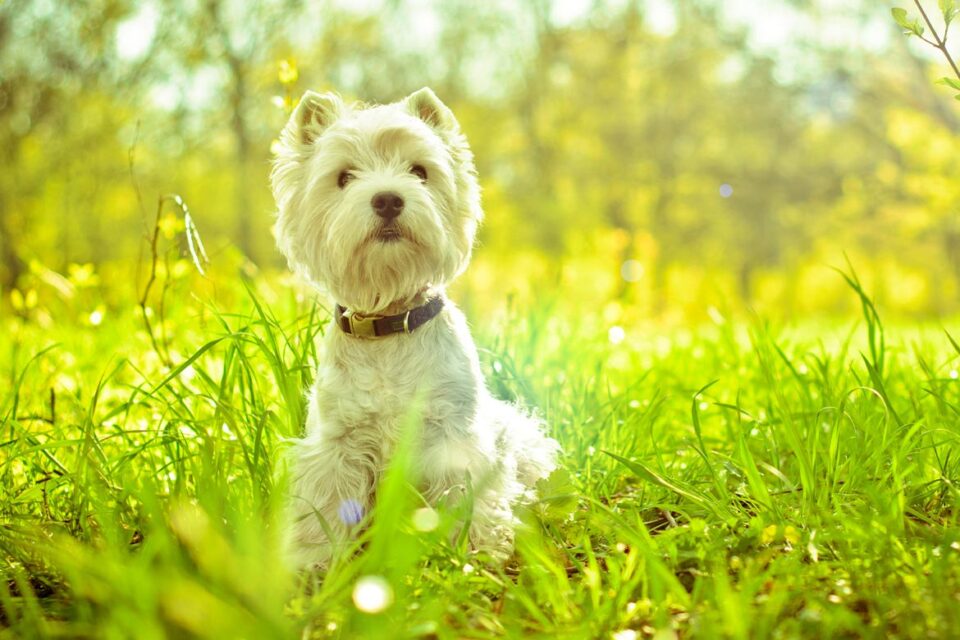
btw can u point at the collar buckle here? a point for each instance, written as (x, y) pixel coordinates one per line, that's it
(362, 326)
(376, 326)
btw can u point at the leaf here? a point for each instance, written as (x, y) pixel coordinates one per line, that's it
(677, 486)
(558, 495)
(702, 449)
(287, 72)
(949, 10)
(950, 82)
(183, 365)
(910, 28)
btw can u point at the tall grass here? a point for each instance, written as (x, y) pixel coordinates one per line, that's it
(729, 481)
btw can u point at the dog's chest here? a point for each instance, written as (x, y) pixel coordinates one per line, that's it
(377, 385)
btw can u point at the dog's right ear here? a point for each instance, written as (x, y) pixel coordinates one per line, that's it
(314, 113)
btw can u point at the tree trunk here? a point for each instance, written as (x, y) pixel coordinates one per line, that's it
(241, 136)
(11, 266)
(238, 70)
(659, 225)
(745, 282)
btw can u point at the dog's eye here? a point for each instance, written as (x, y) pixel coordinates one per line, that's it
(344, 177)
(419, 171)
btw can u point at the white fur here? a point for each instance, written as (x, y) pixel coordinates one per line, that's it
(365, 389)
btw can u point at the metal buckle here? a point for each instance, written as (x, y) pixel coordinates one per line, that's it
(406, 322)
(362, 326)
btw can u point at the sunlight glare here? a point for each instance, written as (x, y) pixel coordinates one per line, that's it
(135, 34)
(631, 270)
(372, 594)
(616, 335)
(425, 519)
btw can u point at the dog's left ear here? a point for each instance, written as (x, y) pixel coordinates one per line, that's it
(425, 105)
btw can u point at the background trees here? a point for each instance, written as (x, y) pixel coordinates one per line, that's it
(674, 138)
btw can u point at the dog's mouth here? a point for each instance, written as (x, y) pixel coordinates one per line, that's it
(388, 233)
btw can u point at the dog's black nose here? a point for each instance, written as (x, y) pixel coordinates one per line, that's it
(387, 205)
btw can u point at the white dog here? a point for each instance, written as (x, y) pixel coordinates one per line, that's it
(378, 205)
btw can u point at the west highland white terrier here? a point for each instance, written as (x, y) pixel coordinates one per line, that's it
(378, 206)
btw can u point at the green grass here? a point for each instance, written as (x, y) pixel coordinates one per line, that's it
(730, 481)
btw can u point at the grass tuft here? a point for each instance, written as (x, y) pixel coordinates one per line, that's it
(723, 482)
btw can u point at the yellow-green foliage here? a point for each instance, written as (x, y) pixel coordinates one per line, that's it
(732, 174)
(665, 196)
(722, 480)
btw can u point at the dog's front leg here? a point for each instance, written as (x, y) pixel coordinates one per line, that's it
(331, 493)
(465, 471)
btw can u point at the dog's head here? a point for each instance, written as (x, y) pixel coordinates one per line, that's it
(375, 203)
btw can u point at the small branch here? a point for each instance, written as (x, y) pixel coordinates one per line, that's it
(197, 253)
(154, 258)
(941, 43)
(162, 305)
(34, 418)
(671, 521)
(152, 238)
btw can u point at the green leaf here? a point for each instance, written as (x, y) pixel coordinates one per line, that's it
(558, 495)
(949, 10)
(900, 16)
(675, 485)
(910, 27)
(950, 82)
(956, 345)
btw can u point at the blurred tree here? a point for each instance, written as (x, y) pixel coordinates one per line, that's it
(49, 57)
(236, 41)
(664, 123)
(604, 133)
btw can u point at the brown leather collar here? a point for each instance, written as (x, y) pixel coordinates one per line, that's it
(379, 326)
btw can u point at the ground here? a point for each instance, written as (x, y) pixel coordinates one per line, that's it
(728, 479)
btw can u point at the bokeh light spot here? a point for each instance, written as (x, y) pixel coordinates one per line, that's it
(350, 512)
(616, 335)
(372, 594)
(631, 270)
(726, 190)
(425, 519)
